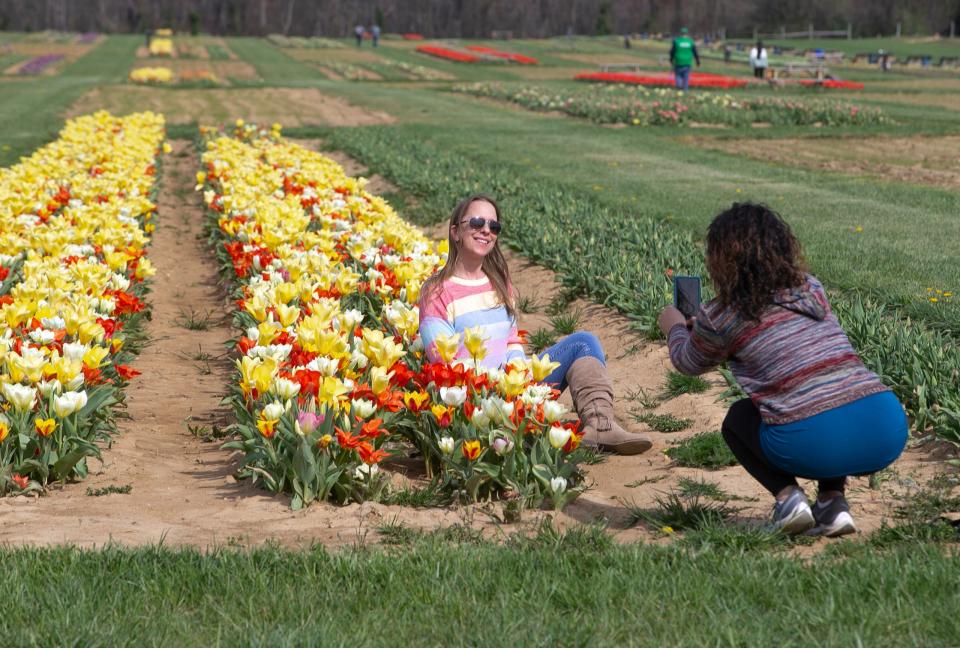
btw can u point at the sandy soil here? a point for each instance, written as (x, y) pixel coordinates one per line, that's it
(289, 106)
(919, 160)
(183, 491)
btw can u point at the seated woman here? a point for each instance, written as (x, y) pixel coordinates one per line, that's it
(473, 289)
(815, 411)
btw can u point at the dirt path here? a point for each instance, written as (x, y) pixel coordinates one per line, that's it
(183, 491)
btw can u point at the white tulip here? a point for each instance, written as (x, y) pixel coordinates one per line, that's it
(21, 397)
(74, 350)
(48, 387)
(558, 436)
(558, 485)
(273, 411)
(453, 396)
(553, 410)
(446, 445)
(362, 407)
(69, 402)
(285, 389)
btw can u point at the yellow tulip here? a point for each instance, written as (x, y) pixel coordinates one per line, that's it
(287, 314)
(514, 382)
(94, 356)
(542, 366)
(268, 331)
(475, 342)
(331, 392)
(447, 346)
(379, 379)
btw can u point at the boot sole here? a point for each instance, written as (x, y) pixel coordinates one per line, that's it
(627, 447)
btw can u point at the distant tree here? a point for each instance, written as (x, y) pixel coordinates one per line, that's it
(194, 19)
(378, 17)
(603, 19)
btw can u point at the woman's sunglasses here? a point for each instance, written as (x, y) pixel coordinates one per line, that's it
(477, 223)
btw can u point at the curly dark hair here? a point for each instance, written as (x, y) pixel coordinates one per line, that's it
(751, 253)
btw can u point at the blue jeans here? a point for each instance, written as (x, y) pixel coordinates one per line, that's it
(567, 351)
(682, 77)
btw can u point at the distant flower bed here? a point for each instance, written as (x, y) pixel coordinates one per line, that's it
(412, 37)
(639, 106)
(161, 46)
(38, 64)
(152, 75)
(697, 79)
(299, 42)
(448, 54)
(835, 84)
(510, 56)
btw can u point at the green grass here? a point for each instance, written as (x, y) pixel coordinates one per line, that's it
(705, 450)
(681, 511)
(561, 588)
(32, 115)
(541, 339)
(678, 383)
(664, 422)
(566, 323)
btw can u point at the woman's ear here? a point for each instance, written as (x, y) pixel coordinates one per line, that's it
(454, 234)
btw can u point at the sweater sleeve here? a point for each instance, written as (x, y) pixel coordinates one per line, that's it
(697, 351)
(434, 322)
(696, 55)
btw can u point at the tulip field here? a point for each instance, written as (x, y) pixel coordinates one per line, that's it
(218, 424)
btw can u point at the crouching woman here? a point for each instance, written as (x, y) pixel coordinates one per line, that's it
(473, 289)
(814, 410)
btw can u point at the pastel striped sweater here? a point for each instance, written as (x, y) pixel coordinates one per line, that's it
(794, 362)
(460, 304)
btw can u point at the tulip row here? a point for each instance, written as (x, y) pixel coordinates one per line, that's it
(449, 54)
(640, 106)
(74, 220)
(510, 56)
(697, 79)
(331, 375)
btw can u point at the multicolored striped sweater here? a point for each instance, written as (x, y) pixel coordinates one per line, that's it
(794, 362)
(460, 304)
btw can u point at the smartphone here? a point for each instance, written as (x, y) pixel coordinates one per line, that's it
(686, 295)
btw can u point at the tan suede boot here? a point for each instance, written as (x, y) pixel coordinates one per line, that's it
(592, 394)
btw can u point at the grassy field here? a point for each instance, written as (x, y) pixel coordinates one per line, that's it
(453, 590)
(889, 240)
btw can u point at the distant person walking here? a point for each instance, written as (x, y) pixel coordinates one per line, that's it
(683, 53)
(375, 33)
(758, 60)
(358, 32)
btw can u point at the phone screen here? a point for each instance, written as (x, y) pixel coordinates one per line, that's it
(686, 295)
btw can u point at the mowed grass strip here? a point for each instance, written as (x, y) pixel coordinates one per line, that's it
(573, 589)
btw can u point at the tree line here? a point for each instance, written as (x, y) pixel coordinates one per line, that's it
(481, 18)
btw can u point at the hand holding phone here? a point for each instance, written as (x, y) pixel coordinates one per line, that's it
(686, 295)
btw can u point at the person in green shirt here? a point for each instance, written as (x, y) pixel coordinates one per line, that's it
(683, 52)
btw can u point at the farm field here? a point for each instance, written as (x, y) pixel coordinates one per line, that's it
(210, 491)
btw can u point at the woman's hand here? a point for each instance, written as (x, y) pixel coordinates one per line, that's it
(669, 318)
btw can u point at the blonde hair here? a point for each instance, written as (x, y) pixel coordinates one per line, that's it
(494, 264)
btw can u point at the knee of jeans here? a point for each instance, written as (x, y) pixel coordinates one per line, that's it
(588, 345)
